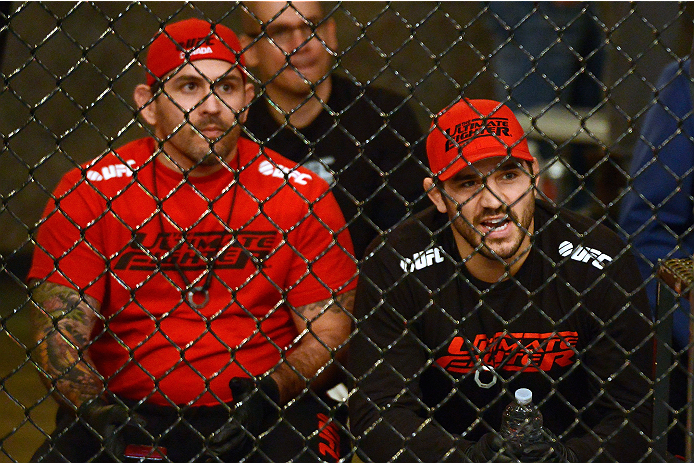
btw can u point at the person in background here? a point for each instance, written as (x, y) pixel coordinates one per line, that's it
(657, 212)
(364, 141)
(549, 55)
(490, 290)
(193, 291)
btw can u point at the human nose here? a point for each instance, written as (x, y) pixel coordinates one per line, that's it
(212, 103)
(297, 38)
(489, 198)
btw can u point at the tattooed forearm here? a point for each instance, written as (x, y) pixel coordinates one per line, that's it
(324, 328)
(62, 323)
(342, 304)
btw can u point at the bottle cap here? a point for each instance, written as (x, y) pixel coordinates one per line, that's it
(524, 396)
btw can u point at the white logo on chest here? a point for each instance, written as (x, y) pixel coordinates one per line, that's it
(112, 171)
(422, 259)
(269, 169)
(584, 254)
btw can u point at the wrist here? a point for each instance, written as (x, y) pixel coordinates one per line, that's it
(91, 404)
(263, 388)
(270, 388)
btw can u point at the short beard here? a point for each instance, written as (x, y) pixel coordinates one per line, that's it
(219, 150)
(478, 242)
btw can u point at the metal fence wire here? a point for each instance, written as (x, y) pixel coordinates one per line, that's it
(590, 83)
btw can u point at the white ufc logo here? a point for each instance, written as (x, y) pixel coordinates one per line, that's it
(422, 260)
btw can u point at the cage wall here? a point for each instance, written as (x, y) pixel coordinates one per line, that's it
(69, 70)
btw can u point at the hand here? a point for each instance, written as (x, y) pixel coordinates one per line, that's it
(490, 448)
(254, 402)
(109, 422)
(549, 450)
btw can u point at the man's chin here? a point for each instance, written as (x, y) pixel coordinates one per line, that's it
(209, 161)
(303, 84)
(495, 252)
(220, 152)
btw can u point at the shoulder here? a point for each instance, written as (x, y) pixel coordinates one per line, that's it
(380, 97)
(421, 226)
(120, 162)
(412, 237)
(563, 234)
(674, 87)
(268, 170)
(112, 170)
(678, 69)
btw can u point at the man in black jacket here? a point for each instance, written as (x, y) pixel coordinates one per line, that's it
(488, 291)
(364, 141)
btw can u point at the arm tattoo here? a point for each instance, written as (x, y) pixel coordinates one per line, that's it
(62, 323)
(340, 304)
(324, 328)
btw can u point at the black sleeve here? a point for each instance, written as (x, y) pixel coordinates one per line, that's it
(387, 358)
(619, 356)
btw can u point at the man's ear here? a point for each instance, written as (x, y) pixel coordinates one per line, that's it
(144, 103)
(435, 194)
(250, 94)
(535, 166)
(330, 34)
(251, 51)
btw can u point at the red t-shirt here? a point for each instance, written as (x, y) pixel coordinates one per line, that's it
(288, 247)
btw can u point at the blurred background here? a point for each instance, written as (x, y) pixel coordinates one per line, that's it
(68, 71)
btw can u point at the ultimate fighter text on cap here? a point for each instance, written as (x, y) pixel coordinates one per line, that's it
(471, 130)
(190, 40)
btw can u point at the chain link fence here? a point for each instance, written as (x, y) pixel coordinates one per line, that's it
(581, 77)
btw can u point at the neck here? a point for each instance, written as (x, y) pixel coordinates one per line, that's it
(201, 170)
(304, 108)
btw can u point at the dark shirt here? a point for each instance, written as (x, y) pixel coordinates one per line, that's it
(437, 354)
(367, 144)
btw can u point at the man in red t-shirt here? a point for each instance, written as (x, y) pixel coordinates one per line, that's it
(193, 289)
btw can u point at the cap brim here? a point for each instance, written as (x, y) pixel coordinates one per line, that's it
(463, 162)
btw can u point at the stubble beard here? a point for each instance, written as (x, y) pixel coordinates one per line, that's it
(202, 152)
(494, 249)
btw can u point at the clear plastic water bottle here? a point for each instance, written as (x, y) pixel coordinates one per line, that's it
(521, 423)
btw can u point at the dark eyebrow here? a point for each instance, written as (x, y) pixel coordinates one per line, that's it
(230, 76)
(305, 20)
(186, 78)
(509, 164)
(466, 177)
(197, 77)
(316, 20)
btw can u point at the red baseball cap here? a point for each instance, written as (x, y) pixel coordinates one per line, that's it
(471, 130)
(190, 40)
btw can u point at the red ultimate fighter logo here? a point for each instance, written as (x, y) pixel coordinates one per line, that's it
(511, 352)
(486, 127)
(193, 252)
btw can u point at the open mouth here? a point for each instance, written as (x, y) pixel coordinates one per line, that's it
(498, 224)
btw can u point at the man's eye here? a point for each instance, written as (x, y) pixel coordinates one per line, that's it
(511, 175)
(279, 33)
